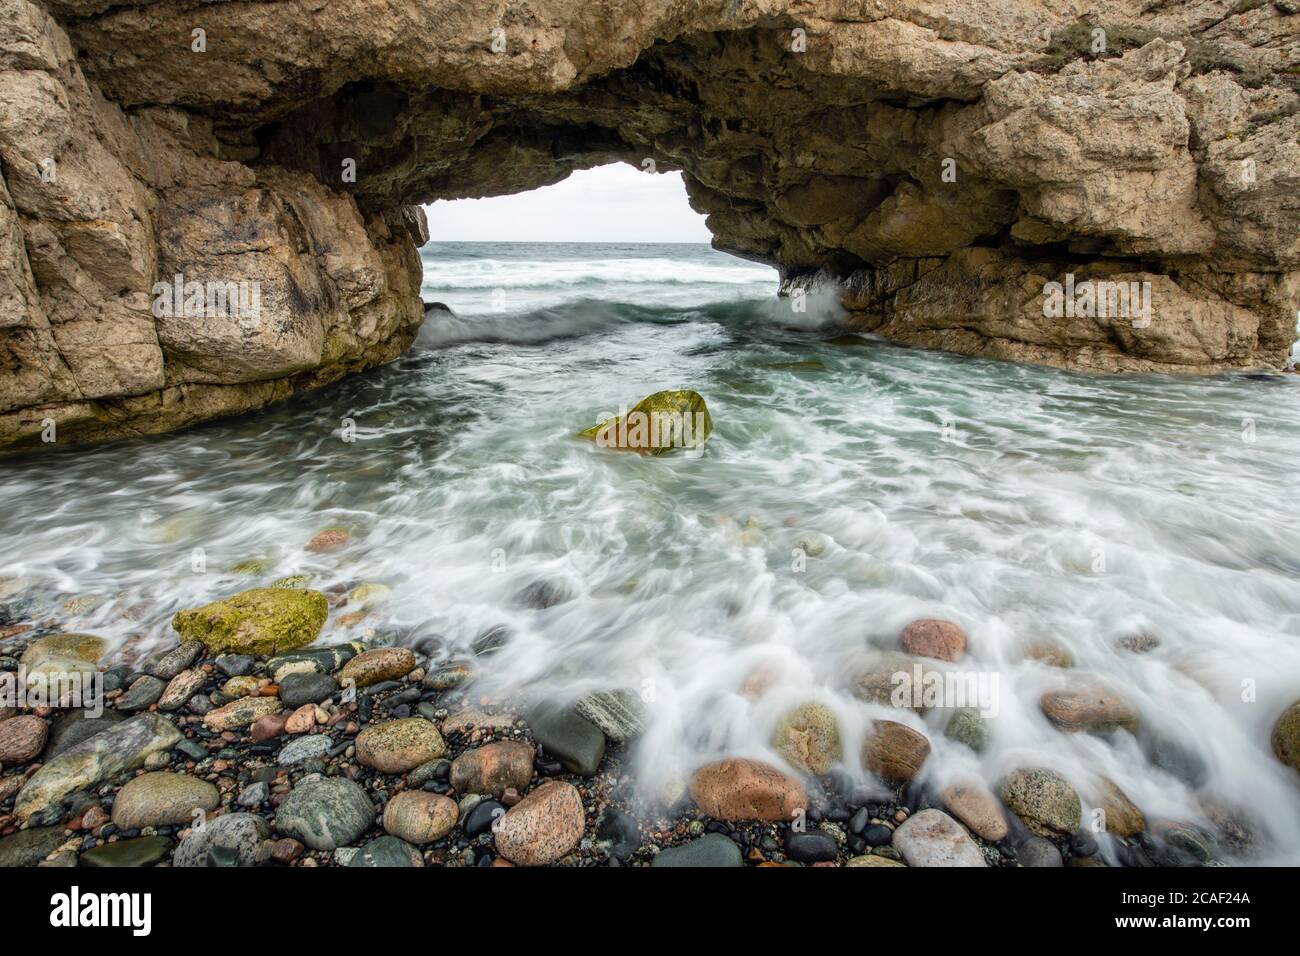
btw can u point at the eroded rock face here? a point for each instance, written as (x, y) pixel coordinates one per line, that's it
(943, 162)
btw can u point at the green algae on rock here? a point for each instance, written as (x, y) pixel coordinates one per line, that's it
(676, 418)
(259, 621)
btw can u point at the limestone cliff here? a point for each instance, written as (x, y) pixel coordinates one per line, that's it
(943, 161)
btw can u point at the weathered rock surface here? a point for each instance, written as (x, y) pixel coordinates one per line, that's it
(22, 738)
(809, 737)
(325, 813)
(118, 749)
(493, 768)
(1089, 705)
(383, 663)
(975, 805)
(932, 838)
(543, 826)
(396, 746)
(894, 751)
(232, 839)
(1286, 736)
(418, 817)
(161, 799)
(953, 160)
(261, 621)
(1043, 799)
(747, 790)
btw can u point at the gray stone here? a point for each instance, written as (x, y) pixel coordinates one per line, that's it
(325, 813)
(29, 847)
(1037, 852)
(72, 727)
(387, 851)
(118, 750)
(168, 665)
(306, 688)
(236, 665)
(145, 692)
(255, 794)
(619, 714)
(712, 850)
(304, 748)
(232, 839)
(571, 738)
(932, 838)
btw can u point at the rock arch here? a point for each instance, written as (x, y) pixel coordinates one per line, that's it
(943, 160)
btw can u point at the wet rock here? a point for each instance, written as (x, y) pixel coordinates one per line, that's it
(246, 685)
(181, 688)
(490, 641)
(618, 833)
(543, 826)
(371, 667)
(890, 678)
(1038, 853)
(322, 659)
(64, 653)
(325, 813)
(311, 688)
(710, 850)
(1043, 799)
(540, 595)
(932, 838)
(72, 727)
(1285, 737)
(233, 839)
(386, 851)
(22, 739)
(240, 713)
(1089, 705)
(330, 539)
(747, 790)
(975, 805)
(932, 637)
(140, 852)
(260, 621)
(144, 693)
(161, 799)
(168, 665)
(418, 817)
(1049, 652)
(29, 847)
(894, 751)
(619, 714)
(1121, 815)
(809, 738)
(304, 748)
(481, 817)
(268, 727)
(1140, 642)
(966, 726)
(235, 665)
(659, 423)
(397, 746)
(493, 768)
(448, 676)
(118, 750)
(575, 741)
(301, 720)
(813, 846)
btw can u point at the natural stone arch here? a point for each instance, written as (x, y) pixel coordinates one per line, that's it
(942, 161)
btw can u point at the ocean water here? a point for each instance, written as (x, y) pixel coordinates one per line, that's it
(850, 486)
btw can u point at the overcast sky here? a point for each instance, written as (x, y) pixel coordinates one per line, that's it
(618, 203)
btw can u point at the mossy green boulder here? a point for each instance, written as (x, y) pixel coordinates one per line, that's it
(677, 418)
(260, 621)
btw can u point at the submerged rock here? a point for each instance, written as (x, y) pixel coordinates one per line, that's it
(620, 714)
(676, 418)
(933, 637)
(1286, 736)
(1089, 705)
(809, 737)
(261, 621)
(1121, 815)
(119, 749)
(894, 751)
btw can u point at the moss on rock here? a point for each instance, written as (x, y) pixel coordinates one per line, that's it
(676, 418)
(260, 621)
